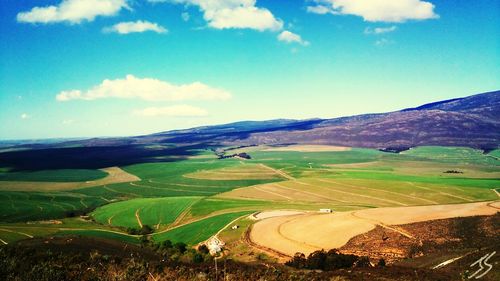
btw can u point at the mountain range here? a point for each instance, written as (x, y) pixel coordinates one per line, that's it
(472, 121)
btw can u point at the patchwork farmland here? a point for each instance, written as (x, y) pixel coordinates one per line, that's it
(194, 198)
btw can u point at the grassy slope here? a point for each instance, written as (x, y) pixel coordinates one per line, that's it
(199, 231)
(152, 211)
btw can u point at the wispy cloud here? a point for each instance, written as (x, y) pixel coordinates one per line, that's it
(185, 16)
(72, 11)
(149, 89)
(226, 14)
(135, 27)
(377, 10)
(172, 111)
(380, 30)
(290, 37)
(25, 116)
(383, 42)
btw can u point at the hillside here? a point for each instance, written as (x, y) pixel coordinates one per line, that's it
(471, 121)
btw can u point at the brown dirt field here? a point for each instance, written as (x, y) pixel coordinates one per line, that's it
(115, 175)
(309, 148)
(424, 213)
(273, 214)
(310, 232)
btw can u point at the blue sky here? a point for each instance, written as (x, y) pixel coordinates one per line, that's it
(81, 68)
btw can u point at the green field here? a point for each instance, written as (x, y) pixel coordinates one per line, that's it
(199, 231)
(191, 199)
(154, 212)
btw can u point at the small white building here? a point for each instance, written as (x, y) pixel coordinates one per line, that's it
(326, 211)
(214, 245)
(235, 227)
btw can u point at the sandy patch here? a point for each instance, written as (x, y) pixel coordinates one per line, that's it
(273, 214)
(312, 231)
(309, 148)
(424, 213)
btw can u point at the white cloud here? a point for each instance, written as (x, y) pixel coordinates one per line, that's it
(185, 16)
(25, 116)
(148, 89)
(68, 121)
(383, 42)
(377, 10)
(319, 9)
(172, 111)
(135, 27)
(222, 14)
(72, 11)
(380, 30)
(290, 37)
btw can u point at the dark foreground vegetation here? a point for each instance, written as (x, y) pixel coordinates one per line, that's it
(331, 260)
(80, 258)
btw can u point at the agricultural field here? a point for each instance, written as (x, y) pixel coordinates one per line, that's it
(190, 199)
(198, 231)
(134, 213)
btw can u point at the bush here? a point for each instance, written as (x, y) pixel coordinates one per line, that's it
(181, 247)
(330, 260)
(203, 249)
(167, 244)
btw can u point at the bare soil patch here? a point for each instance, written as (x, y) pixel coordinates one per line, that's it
(310, 232)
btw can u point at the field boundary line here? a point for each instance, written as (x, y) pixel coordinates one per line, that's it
(279, 172)
(120, 192)
(293, 240)
(310, 193)
(83, 203)
(361, 195)
(17, 232)
(496, 191)
(138, 218)
(227, 225)
(184, 213)
(110, 219)
(214, 214)
(270, 251)
(172, 189)
(181, 184)
(272, 192)
(386, 191)
(5, 243)
(404, 233)
(441, 192)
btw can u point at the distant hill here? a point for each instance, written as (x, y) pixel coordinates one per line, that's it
(472, 121)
